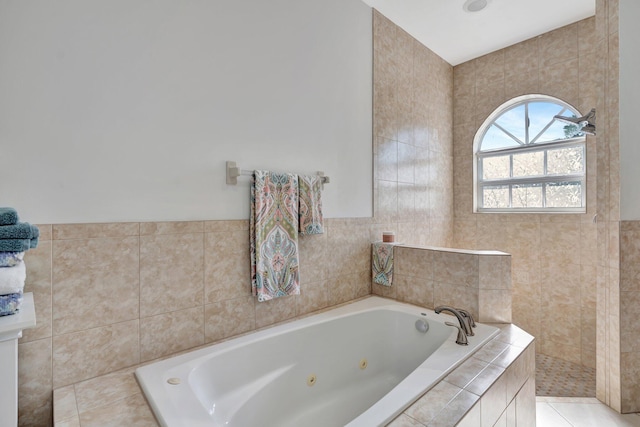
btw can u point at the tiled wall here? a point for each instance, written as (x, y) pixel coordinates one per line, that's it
(110, 296)
(429, 277)
(412, 122)
(553, 256)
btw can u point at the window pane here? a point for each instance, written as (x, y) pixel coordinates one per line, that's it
(513, 121)
(528, 164)
(564, 195)
(527, 196)
(540, 115)
(496, 138)
(495, 167)
(495, 197)
(557, 131)
(565, 160)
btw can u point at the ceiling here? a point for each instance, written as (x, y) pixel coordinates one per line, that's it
(458, 36)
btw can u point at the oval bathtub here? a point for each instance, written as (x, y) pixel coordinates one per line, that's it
(361, 365)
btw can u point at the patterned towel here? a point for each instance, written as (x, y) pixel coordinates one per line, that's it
(11, 259)
(310, 204)
(382, 263)
(274, 235)
(10, 304)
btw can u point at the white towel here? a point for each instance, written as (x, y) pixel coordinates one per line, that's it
(12, 279)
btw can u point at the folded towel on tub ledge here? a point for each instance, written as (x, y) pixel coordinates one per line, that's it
(10, 304)
(8, 216)
(10, 259)
(273, 229)
(21, 230)
(310, 202)
(12, 279)
(17, 245)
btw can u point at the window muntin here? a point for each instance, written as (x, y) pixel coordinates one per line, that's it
(527, 161)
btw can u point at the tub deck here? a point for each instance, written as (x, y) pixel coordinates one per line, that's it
(500, 375)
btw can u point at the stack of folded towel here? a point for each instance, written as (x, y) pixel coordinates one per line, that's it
(15, 239)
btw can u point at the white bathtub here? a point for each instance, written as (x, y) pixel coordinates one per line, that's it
(358, 365)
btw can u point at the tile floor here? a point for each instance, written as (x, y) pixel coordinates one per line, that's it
(580, 412)
(555, 377)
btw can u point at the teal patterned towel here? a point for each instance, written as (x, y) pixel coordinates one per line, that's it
(382, 263)
(21, 230)
(310, 212)
(8, 216)
(273, 231)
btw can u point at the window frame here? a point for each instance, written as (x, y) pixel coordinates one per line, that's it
(479, 183)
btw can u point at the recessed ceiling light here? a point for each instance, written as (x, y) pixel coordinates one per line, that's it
(474, 5)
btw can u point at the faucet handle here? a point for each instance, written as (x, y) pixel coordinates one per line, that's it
(468, 318)
(462, 336)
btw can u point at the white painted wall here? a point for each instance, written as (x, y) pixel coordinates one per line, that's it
(629, 110)
(126, 110)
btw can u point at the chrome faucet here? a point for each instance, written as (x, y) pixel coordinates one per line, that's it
(462, 336)
(468, 320)
(461, 319)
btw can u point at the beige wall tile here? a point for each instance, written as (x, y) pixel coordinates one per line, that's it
(226, 225)
(274, 311)
(177, 227)
(91, 231)
(314, 296)
(494, 305)
(169, 333)
(559, 45)
(81, 355)
(46, 232)
(456, 296)
(95, 282)
(226, 272)
(228, 318)
(171, 272)
(413, 262)
(39, 271)
(456, 268)
(414, 291)
(630, 366)
(34, 379)
(105, 389)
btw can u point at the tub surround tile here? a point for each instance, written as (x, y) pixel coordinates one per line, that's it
(405, 421)
(46, 232)
(228, 318)
(171, 272)
(276, 310)
(104, 390)
(435, 400)
(95, 282)
(175, 227)
(314, 296)
(81, 355)
(39, 271)
(34, 379)
(92, 231)
(226, 225)
(130, 411)
(65, 407)
(169, 333)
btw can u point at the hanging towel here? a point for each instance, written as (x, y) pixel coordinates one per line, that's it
(12, 279)
(382, 263)
(310, 212)
(10, 259)
(10, 304)
(17, 245)
(8, 216)
(21, 230)
(273, 229)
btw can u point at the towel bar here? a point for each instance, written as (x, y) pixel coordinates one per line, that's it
(234, 171)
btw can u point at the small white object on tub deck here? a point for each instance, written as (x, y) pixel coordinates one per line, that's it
(358, 365)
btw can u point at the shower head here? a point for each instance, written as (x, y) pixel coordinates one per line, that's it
(586, 123)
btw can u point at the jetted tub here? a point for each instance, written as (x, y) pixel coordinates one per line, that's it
(361, 365)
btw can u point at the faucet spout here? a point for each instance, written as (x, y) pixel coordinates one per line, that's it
(468, 320)
(463, 323)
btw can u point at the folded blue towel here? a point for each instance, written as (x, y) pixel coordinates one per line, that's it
(8, 216)
(33, 243)
(21, 230)
(16, 245)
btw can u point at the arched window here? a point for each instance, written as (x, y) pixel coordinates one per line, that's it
(528, 161)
